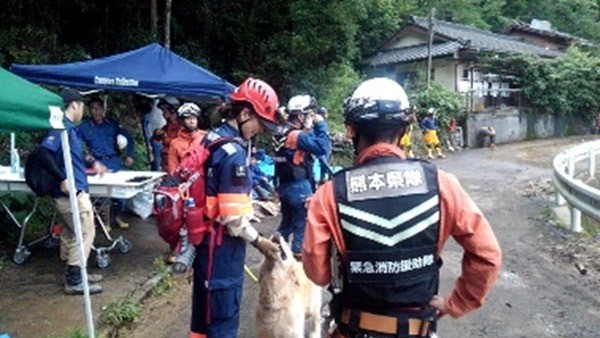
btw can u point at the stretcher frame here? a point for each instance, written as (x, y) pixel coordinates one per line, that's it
(111, 185)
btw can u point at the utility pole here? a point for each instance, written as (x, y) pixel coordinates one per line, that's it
(168, 5)
(429, 46)
(153, 19)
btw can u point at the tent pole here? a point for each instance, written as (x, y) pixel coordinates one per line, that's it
(64, 138)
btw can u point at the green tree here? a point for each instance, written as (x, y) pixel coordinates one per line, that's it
(565, 86)
(448, 104)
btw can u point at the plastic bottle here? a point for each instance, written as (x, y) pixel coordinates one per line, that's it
(190, 203)
(15, 162)
(183, 239)
(183, 233)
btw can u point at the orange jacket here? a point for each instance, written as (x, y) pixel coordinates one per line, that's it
(168, 133)
(460, 218)
(179, 147)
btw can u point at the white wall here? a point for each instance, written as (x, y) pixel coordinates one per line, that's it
(511, 126)
(445, 73)
(408, 36)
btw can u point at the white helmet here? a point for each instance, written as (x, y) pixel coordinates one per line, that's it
(171, 101)
(301, 104)
(121, 142)
(188, 109)
(379, 103)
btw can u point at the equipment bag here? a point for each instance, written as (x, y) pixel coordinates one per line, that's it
(168, 208)
(37, 178)
(187, 182)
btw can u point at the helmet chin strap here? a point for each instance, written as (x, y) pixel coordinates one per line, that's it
(241, 123)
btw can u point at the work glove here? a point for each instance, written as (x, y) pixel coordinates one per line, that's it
(265, 246)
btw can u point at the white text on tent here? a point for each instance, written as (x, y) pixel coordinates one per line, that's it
(117, 81)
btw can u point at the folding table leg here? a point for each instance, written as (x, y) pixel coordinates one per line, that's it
(21, 252)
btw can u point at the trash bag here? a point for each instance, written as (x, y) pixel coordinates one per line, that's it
(142, 204)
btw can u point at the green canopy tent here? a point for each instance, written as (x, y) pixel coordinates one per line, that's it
(25, 106)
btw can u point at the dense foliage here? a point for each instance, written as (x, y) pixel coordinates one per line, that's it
(568, 86)
(447, 104)
(300, 46)
(307, 46)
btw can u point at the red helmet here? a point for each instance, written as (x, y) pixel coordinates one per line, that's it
(261, 96)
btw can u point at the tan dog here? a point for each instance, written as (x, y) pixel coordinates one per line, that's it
(288, 299)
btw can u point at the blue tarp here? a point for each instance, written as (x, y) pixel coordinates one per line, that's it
(152, 69)
(267, 166)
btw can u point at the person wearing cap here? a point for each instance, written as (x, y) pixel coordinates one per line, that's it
(430, 126)
(188, 138)
(219, 264)
(170, 131)
(100, 134)
(294, 165)
(376, 232)
(51, 154)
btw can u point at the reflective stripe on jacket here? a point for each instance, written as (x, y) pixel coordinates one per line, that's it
(460, 218)
(389, 215)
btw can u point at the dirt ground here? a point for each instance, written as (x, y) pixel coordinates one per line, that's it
(540, 292)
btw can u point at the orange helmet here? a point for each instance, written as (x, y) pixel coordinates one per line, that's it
(263, 99)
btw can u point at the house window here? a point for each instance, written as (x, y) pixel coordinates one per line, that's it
(465, 74)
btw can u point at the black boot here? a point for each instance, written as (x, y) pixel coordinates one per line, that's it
(74, 282)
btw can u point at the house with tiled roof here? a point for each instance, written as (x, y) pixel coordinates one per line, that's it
(457, 51)
(541, 33)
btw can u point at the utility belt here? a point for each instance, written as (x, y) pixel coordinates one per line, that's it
(407, 324)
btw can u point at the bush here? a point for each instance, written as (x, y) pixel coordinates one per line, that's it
(448, 104)
(569, 85)
(120, 313)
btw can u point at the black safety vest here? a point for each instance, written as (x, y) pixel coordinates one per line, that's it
(285, 169)
(389, 212)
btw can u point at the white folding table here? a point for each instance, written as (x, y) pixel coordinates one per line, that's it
(120, 184)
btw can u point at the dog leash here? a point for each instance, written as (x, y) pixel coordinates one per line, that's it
(249, 272)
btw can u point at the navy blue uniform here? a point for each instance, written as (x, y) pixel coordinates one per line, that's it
(101, 141)
(294, 179)
(52, 142)
(228, 188)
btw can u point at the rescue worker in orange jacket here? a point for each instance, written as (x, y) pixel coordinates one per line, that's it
(188, 138)
(169, 132)
(387, 220)
(219, 264)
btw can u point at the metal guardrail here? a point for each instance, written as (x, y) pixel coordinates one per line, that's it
(581, 197)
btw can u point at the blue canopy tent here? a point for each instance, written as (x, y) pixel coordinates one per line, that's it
(152, 69)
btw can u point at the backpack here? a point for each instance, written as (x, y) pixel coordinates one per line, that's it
(188, 182)
(37, 178)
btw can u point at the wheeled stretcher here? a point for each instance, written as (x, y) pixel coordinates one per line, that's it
(122, 184)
